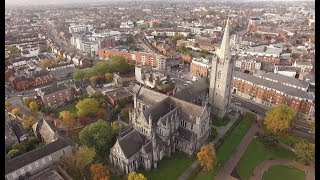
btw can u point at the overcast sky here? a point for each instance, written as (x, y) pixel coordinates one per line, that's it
(43, 2)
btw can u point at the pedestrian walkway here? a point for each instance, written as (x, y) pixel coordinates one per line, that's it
(237, 153)
(265, 165)
(222, 131)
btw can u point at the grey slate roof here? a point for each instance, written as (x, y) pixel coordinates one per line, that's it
(54, 88)
(186, 134)
(19, 130)
(34, 155)
(273, 85)
(46, 130)
(196, 88)
(285, 79)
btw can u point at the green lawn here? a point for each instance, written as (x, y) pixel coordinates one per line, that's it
(69, 107)
(170, 168)
(221, 122)
(283, 172)
(257, 153)
(226, 149)
(289, 139)
(213, 134)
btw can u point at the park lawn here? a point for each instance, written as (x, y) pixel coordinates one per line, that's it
(283, 172)
(256, 153)
(213, 134)
(69, 107)
(221, 122)
(226, 149)
(170, 167)
(289, 140)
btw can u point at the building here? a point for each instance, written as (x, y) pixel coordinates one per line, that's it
(20, 132)
(80, 28)
(159, 126)
(249, 63)
(200, 67)
(56, 95)
(127, 24)
(35, 161)
(118, 96)
(148, 77)
(270, 93)
(221, 75)
(140, 58)
(303, 66)
(289, 71)
(273, 50)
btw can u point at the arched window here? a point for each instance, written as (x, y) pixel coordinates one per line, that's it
(219, 75)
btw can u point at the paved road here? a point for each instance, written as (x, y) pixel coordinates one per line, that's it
(265, 165)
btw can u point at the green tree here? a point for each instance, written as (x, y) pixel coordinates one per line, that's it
(28, 122)
(87, 107)
(280, 118)
(15, 153)
(78, 74)
(119, 64)
(34, 106)
(304, 152)
(98, 135)
(84, 156)
(136, 176)
(100, 68)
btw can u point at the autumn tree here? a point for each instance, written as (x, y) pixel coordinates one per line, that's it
(312, 127)
(98, 135)
(84, 156)
(136, 176)
(99, 172)
(304, 152)
(15, 111)
(46, 63)
(7, 104)
(34, 106)
(207, 157)
(78, 74)
(109, 77)
(87, 107)
(28, 122)
(67, 118)
(59, 58)
(119, 64)
(26, 101)
(280, 118)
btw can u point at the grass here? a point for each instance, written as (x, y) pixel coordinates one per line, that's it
(256, 153)
(170, 168)
(213, 134)
(283, 172)
(289, 140)
(226, 149)
(69, 107)
(221, 122)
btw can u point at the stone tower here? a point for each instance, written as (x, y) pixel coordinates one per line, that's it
(221, 74)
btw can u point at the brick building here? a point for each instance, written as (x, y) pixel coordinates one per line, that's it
(134, 57)
(248, 63)
(272, 93)
(200, 66)
(56, 95)
(34, 79)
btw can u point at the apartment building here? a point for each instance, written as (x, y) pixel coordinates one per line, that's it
(200, 67)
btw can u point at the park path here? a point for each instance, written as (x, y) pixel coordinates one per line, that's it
(222, 131)
(265, 165)
(237, 153)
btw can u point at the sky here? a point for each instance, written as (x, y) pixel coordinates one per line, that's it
(43, 2)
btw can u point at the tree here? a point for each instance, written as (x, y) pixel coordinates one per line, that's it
(268, 140)
(27, 123)
(67, 118)
(280, 118)
(87, 107)
(84, 156)
(15, 111)
(100, 68)
(27, 101)
(109, 77)
(312, 127)
(98, 135)
(136, 176)
(7, 104)
(46, 63)
(119, 64)
(304, 152)
(14, 49)
(34, 106)
(99, 171)
(207, 157)
(59, 58)
(14, 153)
(78, 74)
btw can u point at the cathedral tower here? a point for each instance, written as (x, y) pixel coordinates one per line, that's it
(221, 74)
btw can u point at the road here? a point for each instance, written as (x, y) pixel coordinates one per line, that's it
(301, 129)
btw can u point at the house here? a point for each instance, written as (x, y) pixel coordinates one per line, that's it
(200, 67)
(90, 90)
(20, 131)
(117, 96)
(81, 85)
(148, 77)
(56, 95)
(117, 80)
(37, 160)
(289, 71)
(249, 63)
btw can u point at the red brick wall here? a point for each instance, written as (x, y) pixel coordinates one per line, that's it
(55, 98)
(263, 94)
(198, 70)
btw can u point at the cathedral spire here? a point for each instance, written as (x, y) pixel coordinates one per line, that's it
(225, 45)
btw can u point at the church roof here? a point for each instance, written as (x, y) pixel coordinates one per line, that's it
(186, 135)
